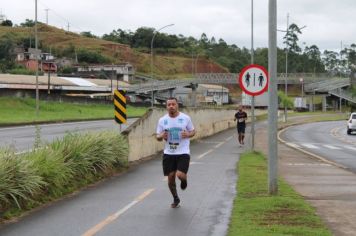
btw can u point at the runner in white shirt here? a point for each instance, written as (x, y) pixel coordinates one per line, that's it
(176, 128)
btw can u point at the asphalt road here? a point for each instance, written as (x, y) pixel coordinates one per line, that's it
(138, 202)
(326, 139)
(22, 138)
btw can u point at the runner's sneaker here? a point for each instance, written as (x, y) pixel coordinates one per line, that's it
(176, 202)
(183, 184)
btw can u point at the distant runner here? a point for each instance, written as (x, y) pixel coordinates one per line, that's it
(241, 118)
(176, 128)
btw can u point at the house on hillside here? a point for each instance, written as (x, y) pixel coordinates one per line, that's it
(124, 72)
(31, 58)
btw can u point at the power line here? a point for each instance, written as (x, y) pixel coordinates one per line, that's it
(67, 22)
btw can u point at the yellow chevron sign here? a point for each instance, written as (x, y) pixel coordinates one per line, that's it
(120, 106)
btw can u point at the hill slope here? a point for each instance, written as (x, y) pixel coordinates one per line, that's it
(60, 41)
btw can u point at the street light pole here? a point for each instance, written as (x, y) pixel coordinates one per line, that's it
(285, 78)
(153, 38)
(253, 97)
(36, 47)
(273, 99)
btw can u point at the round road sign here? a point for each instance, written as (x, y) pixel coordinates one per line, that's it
(253, 79)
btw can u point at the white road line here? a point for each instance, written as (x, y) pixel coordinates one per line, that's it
(311, 146)
(219, 144)
(209, 142)
(204, 154)
(196, 163)
(351, 148)
(293, 145)
(116, 215)
(307, 164)
(331, 147)
(229, 138)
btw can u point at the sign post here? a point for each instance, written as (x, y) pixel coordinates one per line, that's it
(253, 80)
(120, 106)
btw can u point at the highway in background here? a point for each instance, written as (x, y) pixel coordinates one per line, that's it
(326, 139)
(22, 138)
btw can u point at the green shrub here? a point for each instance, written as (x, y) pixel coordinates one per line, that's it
(85, 55)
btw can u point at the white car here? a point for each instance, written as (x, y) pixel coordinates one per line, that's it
(351, 123)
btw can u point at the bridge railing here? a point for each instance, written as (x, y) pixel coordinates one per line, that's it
(327, 85)
(343, 94)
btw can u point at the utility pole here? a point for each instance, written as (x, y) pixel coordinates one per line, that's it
(68, 26)
(153, 38)
(47, 9)
(273, 99)
(253, 97)
(285, 78)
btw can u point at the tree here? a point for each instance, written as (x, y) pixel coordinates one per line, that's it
(28, 23)
(88, 34)
(313, 59)
(142, 37)
(285, 101)
(6, 23)
(350, 55)
(331, 61)
(6, 55)
(291, 38)
(119, 36)
(204, 41)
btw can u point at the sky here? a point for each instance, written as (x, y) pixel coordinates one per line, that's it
(329, 24)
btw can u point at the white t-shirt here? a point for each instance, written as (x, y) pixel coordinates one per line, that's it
(175, 144)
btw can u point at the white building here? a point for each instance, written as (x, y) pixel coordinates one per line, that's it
(125, 70)
(205, 94)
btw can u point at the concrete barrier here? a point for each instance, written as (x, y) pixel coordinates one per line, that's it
(141, 134)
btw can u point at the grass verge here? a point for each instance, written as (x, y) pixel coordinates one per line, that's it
(23, 110)
(256, 213)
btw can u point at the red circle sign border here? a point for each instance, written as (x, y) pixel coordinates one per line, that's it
(241, 77)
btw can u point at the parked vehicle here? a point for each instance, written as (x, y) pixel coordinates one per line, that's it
(351, 123)
(300, 104)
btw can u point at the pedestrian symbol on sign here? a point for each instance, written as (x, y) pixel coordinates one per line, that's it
(247, 79)
(260, 79)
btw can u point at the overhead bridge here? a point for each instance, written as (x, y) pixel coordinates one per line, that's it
(216, 78)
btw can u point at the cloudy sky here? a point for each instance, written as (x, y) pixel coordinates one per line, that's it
(328, 23)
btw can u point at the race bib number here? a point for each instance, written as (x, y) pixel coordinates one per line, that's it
(174, 138)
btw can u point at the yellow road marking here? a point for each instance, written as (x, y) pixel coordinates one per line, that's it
(116, 215)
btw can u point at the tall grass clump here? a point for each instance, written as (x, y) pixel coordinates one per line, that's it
(51, 166)
(19, 181)
(58, 168)
(92, 152)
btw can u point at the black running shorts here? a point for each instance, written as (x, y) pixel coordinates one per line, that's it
(241, 128)
(172, 163)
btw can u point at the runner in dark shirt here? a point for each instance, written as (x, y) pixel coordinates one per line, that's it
(241, 118)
